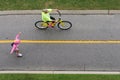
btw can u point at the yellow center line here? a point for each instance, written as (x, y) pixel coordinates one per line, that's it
(66, 41)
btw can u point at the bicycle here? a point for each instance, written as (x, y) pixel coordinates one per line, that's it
(61, 24)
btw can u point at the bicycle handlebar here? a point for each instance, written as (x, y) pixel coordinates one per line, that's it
(59, 13)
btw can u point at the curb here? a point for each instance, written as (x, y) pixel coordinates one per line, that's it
(56, 72)
(65, 12)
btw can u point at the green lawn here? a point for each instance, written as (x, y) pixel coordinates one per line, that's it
(58, 77)
(60, 4)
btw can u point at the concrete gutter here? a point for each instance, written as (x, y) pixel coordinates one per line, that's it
(57, 72)
(67, 12)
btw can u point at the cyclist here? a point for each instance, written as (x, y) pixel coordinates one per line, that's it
(46, 17)
(16, 44)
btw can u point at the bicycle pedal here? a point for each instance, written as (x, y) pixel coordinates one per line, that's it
(53, 24)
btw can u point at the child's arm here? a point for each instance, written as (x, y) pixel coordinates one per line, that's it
(17, 36)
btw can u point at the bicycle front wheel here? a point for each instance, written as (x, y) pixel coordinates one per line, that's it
(41, 25)
(64, 25)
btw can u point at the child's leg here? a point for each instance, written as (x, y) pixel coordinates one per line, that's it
(17, 51)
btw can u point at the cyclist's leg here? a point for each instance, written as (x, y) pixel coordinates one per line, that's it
(52, 22)
(51, 17)
(49, 23)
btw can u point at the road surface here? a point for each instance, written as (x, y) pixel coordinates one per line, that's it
(62, 56)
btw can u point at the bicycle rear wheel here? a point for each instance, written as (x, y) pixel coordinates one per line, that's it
(41, 25)
(64, 25)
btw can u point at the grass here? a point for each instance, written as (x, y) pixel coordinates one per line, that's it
(60, 4)
(58, 77)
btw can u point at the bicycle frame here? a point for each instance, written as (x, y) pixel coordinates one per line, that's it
(57, 21)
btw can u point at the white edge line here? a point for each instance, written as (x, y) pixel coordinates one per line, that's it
(57, 72)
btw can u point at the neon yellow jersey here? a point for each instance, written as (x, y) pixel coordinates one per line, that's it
(46, 16)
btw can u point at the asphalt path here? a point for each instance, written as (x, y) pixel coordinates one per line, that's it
(79, 56)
